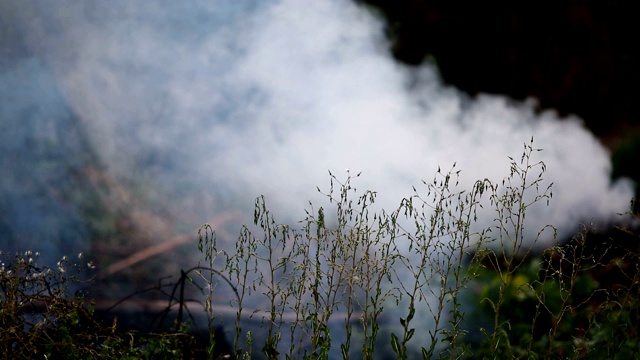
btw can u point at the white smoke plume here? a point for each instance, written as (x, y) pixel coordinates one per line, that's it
(265, 98)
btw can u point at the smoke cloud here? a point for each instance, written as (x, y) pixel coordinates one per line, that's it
(265, 98)
(210, 104)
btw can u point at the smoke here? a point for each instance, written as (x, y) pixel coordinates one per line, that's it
(265, 98)
(41, 153)
(210, 104)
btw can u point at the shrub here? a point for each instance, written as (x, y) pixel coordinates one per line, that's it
(44, 314)
(579, 300)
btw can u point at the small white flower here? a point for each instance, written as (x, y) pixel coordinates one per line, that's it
(80, 256)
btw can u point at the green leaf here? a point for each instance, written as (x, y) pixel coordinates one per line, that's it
(394, 344)
(345, 352)
(412, 312)
(409, 334)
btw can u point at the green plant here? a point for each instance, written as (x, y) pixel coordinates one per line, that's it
(578, 301)
(45, 314)
(323, 289)
(36, 317)
(313, 273)
(347, 261)
(510, 203)
(437, 246)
